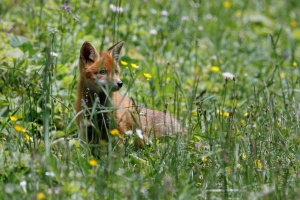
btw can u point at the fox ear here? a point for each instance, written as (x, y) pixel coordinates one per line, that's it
(115, 50)
(88, 53)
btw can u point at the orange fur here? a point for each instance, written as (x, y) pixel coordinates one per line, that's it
(98, 83)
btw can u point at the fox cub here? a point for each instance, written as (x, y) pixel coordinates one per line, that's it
(100, 107)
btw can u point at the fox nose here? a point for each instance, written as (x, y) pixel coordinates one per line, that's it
(120, 84)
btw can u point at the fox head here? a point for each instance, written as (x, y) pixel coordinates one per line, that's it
(100, 72)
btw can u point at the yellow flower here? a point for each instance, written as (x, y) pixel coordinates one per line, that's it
(19, 128)
(124, 63)
(27, 137)
(243, 123)
(294, 64)
(147, 76)
(168, 79)
(204, 159)
(293, 23)
(225, 114)
(282, 74)
(228, 169)
(186, 87)
(244, 155)
(258, 164)
(226, 4)
(134, 66)
(114, 132)
(215, 69)
(40, 195)
(13, 118)
(93, 162)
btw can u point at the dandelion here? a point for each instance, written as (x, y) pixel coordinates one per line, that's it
(114, 132)
(27, 137)
(228, 169)
(228, 75)
(134, 66)
(293, 23)
(123, 63)
(186, 87)
(282, 75)
(93, 162)
(294, 64)
(258, 164)
(13, 118)
(147, 76)
(116, 9)
(139, 134)
(153, 32)
(224, 114)
(204, 159)
(164, 13)
(53, 54)
(226, 4)
(168, 79)
(243, 155)
(242, 122)
(214, 69)
(199, 183)
(19, 128)
(40, 195)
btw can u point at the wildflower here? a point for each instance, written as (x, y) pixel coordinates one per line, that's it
(19, 128)
(65, 7)
(147, 76)
(258, 164)
(228, 169)
(123, 63)
(228, 75)
(51, 174)
(293, 23)
(114, 132)
(164, 13)
(186, 87)
(243, 123)
(139, 134)
(134, 66)
(184, 18)
(282, 74)
(204, 159)
(199, 183)
(224, 114)
(23, 183)
(40, 195)
(93, 162)
(168, 79)
(214, 69)
(200, 28)
(53, 54)
(13, 118)
(238, 165)
(129, 133)
(27, 137)
(153, 32)
(243, 155)
(294, 64)
(226, 4)
(116, 9)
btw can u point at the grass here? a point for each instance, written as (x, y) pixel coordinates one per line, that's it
(243, 133)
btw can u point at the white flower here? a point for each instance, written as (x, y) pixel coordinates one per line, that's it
(139, 134)
(164, 13)
(23, 183)
(129, 133)
(153, 32)
(228, 75)
(51, 174)
(214, 57)
(200, 28)
(184, 18)
(116, 8)
(54, 54)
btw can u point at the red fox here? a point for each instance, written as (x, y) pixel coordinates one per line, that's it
(101, 108)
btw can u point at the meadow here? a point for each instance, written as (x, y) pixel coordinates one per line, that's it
(228, 70)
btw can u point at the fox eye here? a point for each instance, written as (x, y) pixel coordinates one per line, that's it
(102, 72)
(116, 71)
